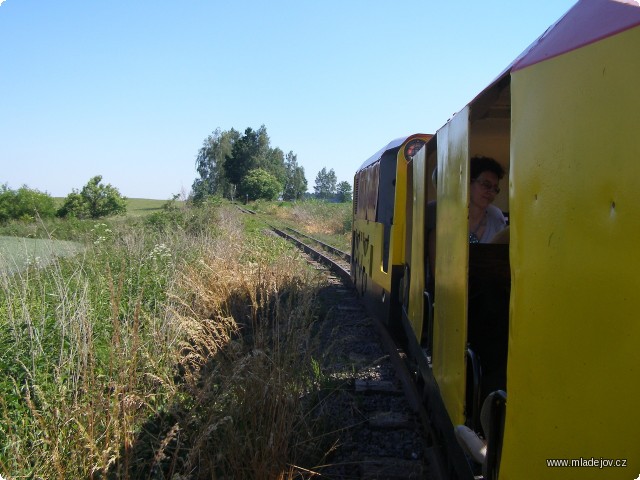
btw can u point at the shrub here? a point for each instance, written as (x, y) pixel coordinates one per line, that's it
(74, 206)
(259, 183)
(94, 200)
(25, 204)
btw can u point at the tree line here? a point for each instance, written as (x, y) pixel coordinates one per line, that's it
(230, 164)
(326, 188)
(94, 200)
(246, 166)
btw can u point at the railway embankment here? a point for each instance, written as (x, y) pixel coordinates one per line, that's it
(192, 346)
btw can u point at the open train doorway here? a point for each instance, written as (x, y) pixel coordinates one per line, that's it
(466, 268)
(489, 273)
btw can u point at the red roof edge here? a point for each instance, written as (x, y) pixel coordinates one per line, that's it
(586, 22)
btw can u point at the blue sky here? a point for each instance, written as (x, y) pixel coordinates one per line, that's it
(130, 90)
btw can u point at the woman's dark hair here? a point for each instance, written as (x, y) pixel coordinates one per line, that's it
(481, 164)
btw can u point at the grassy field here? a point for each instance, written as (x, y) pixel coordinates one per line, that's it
(136, 206)
(36, 243)
(178, 342)
(16, 253)
(143, 206)
(27, 244)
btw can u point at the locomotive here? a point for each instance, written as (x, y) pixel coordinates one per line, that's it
(528, 350)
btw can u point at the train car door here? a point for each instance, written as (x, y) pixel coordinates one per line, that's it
(574, 357)
(450, 310)
(418, 298)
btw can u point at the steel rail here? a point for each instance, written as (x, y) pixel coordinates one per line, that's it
(335, 267)
(346, 256)
(245, 210)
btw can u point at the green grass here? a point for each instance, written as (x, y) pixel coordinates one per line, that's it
(37, 243)
(143, 206)
(136, 207)
(166, 348)
(328, 222)
(17, 253)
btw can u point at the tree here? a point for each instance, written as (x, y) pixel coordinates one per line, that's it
(259, 184)
(295, 184)
(94, 200)
(74, 206)
(25, 204)
(325, 186)
(210, 165)
(343, 192)
(252, 151)
(245, 154)
(226, 157)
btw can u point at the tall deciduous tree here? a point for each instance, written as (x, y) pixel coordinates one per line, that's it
(295, 185)
(325, 186)
(344, 192)
(210, 164)
(251, 151)
(244, 155)
(227, 157)
(273, 162)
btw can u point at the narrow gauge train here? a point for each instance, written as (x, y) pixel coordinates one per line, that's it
(529, 348)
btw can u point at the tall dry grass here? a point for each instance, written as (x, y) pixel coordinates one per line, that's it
(330, 222)
(256, 298)
(176, 356)
(89, 353)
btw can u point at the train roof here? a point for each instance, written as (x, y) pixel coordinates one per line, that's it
(588, 21)
(378, 155)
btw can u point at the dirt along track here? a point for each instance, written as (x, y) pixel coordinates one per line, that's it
(374, 406)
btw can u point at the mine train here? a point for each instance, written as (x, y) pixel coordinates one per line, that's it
(528, 352)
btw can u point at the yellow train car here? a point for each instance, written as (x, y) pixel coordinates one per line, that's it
(528, 345)
(379, 227)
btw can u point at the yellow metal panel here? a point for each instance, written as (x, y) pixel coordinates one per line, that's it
(398, 229)
(416, 284)
(397, 253)
(452, 251)
(369, 254)
(574, 350)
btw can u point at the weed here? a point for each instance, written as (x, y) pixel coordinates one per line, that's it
(179, 351)
(329, 222)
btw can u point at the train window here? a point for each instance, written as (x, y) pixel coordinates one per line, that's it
(490, 131)
(412, 148)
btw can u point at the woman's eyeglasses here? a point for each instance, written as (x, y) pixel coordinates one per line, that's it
(488, 186)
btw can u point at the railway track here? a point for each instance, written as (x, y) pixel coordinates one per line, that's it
(378, 410)
(335, 260)
(324, 246)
